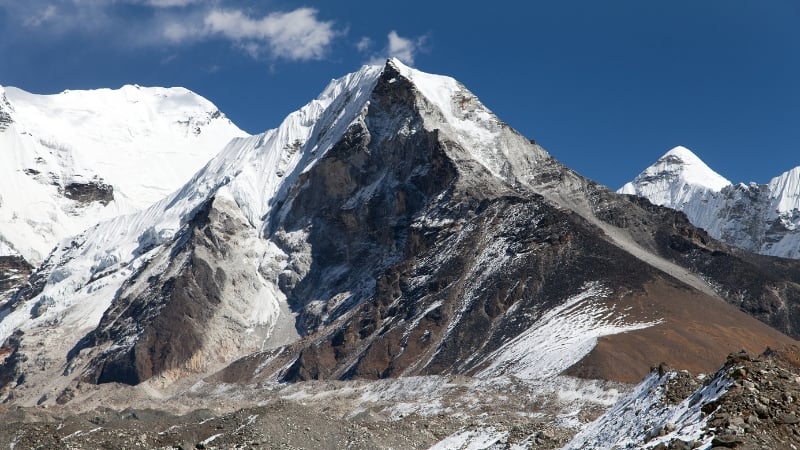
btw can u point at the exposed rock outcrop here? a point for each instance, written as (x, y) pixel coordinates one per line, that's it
(195, 305)
(14, 272)
(86, 193)
(5, 111)
(751, 402)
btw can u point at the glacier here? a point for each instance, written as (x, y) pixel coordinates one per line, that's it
(76, 158)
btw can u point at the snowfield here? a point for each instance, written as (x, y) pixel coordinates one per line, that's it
(560, 338)
(143, 142)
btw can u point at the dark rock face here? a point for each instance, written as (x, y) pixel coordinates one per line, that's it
(458, 314)
(358, 203)
(187, 306)
(367, 205)
(90, 192)
(744, 208)
(161, 327)
(5, 115)
(10, 361)
(33, 285)
(14, 271)
(5, 120)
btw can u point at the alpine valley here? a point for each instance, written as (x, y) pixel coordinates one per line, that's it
(392, 267)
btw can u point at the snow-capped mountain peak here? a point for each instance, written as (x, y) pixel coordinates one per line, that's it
(256, 180)
(762, 218)
(81, 156)
(460, 114)
(673, 176)
(692, 169)
(677, 180)
(249, 173)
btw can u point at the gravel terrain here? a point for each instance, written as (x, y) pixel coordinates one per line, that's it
(407, 413)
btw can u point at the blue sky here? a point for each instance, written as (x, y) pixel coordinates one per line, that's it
(606, 87)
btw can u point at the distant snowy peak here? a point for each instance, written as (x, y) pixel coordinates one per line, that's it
(675, 177)
(72, 159)
(785, 191)
(762, 218)
(693, 170)
(144, 141)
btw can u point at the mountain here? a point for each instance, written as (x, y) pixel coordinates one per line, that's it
(761, 218)
(70, 160)
(392, 227)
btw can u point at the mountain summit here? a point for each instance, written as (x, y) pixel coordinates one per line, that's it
(394, 226)
(676, 176)
(72, 159)
(762, 218)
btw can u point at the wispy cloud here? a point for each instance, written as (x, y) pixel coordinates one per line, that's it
(364, 44)
(403, 48)
(48, 13)
(294, 35)
(168, 59)
(300, 34)
(171, 3)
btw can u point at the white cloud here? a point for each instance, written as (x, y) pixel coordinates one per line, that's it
(294, 35)
(401, 48)
(45, 15)
(364, 44)
(171, 3)
(57, 18)
(177, 32)
(404, 49)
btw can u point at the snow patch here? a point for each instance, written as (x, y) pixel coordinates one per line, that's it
(484, 438)
(211, 439)
(7, 250)
(637, 421)
(560, 338)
